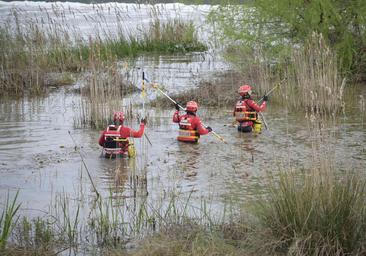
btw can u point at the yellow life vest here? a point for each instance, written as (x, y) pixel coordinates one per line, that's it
(241, 114)
(186, 132)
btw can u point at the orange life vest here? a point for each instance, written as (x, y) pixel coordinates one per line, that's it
(114, 144)
(186, 131)
(243, 113)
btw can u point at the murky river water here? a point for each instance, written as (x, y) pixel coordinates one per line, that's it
(39, 145)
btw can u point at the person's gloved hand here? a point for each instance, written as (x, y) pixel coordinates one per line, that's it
(209, 129)
(265, 98)
(144, 121)
(176, 105)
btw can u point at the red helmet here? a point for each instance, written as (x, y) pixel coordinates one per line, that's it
(245, 89)
(118, 115)
(191, 106)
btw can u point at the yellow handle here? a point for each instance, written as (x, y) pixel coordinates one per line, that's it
(219, 137)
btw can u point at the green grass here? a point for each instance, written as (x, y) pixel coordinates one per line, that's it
(8, 219)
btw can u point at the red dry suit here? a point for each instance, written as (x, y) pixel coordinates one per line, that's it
(190, 127)
(114, 139)
(245, 111)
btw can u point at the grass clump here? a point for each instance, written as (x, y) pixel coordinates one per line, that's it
(315, 214)
(173, 36)
(189, 238)
(8, 220)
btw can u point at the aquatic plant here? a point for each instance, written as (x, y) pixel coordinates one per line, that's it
(8, 219)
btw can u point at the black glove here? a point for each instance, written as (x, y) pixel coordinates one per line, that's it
(144, 121)
(176, 105)
(265, 98)
(209, 129)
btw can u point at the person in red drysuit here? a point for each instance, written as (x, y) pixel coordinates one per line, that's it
(190, 125)
(246, 109)
(114, 139)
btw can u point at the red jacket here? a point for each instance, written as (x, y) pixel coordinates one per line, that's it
(125, 132)
(247, 105)
(190, 127)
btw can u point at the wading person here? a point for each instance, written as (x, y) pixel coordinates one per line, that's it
(114, 139)
(246, 110)
(190, 125)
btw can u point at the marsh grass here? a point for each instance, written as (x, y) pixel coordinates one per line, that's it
(313, 81)
(103, 93)
(310, 77)
(190, 238)
(49, 45)
(8, 219)
(317, 213)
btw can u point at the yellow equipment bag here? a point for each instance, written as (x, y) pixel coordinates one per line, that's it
(257, 126)
(131, 150)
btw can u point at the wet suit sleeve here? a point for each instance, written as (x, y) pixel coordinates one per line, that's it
(176, 117)
(128, 132)
(101, 139)
(199, 127)
(253, 105)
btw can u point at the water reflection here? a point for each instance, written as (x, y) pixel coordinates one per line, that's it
(190, 154)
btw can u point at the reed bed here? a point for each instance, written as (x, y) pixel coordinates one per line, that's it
(309, 79)
(313, 81)
(103, 93)
(36, 47)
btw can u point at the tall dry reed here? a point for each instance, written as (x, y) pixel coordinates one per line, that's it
(104, 91)
(313, 81)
